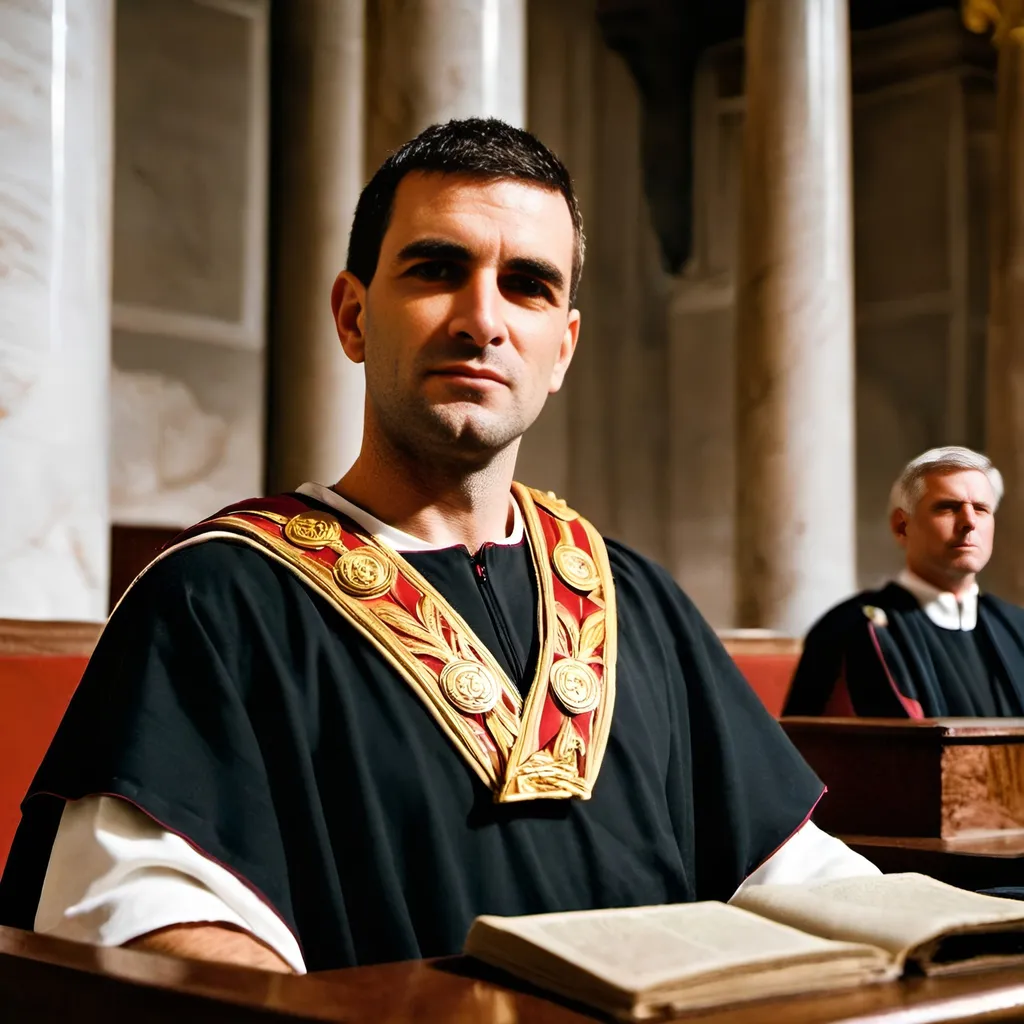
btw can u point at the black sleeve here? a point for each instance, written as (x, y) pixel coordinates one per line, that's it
(749, 786)
(820, 666)
(842, 647)
(170, 716)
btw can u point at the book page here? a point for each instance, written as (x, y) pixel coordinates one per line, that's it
(896, 912)
(649, 947)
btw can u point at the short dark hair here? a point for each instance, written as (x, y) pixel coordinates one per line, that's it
(482, 147)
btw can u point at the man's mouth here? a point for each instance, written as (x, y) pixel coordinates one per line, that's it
(468, 373)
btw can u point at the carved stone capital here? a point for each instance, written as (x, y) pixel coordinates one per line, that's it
(1003, 18)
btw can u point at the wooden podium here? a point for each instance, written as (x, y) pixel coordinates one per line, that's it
(944, 796)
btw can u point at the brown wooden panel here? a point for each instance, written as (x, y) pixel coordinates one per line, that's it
(982, 788)
(934, 778)
(880, 781)
(20, 637)
(132, 548)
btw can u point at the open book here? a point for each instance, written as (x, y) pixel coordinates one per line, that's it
(771, 940)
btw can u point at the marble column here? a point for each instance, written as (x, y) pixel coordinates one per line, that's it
(316, 414)
(1004, 428)
(795, 320)
(55, 209)
(440, 59)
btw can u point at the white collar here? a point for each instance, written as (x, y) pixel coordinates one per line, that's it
(941, 606)
(380, 531)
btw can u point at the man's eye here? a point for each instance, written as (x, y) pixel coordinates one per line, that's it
(528, 286)
(434, 270)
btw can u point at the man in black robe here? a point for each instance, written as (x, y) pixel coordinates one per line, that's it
(332, 727)
(928, 643)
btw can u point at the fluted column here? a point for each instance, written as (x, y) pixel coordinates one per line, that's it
(1004, 428)
(795, 458)
(316, 415)
(440, 59)
(55, 209)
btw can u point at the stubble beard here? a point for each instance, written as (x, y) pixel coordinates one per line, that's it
(455, 433)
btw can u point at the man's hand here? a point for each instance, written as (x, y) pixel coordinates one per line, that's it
(220, 942)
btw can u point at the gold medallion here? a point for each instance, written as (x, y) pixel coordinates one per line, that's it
(313, 530)
(575, 567)
(364, 572)
(470, 687)
(575, 686)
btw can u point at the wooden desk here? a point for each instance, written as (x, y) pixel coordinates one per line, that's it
(44, 980)
(941, 796)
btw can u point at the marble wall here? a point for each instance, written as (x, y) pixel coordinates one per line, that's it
(189, 257)
(643, 436)
(922, 96)
(55, 174)
(602, 442)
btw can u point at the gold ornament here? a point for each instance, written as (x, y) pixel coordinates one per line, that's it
(364, 573)
(470, 687)
(575, 567)
(876, 616)
(1004, 18)
(575, 686)
(312, 530)
(555, 505)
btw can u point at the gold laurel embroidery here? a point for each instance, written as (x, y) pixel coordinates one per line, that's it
(554, 771)
(568, 639)
(424, 633)
(413, 634)
(591, 637)
(580, 642)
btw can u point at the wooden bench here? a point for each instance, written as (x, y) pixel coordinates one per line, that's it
(40, 666)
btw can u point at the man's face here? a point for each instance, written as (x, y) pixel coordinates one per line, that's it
(466, 328)
(949, 534)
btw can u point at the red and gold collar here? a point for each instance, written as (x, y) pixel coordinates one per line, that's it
(549, 747)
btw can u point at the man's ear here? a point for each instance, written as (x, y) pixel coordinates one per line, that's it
(898, 525)
(565, 351)
(348, 303)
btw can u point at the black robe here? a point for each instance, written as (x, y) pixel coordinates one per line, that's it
(879, 655)
(236, 707)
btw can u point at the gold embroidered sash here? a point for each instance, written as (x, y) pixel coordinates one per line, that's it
(552, 746)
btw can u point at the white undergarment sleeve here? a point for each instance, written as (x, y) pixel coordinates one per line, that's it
(810, 855)
(115, 874)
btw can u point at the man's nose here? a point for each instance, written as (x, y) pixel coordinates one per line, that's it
(477, 314)
(968, 518)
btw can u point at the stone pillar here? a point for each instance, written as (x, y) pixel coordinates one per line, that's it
(439, 59)
(795, 320)
(56, 107)
(316, 415)
(1004, 399)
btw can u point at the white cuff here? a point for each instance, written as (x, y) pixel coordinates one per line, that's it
(809, 855)
(115, 874)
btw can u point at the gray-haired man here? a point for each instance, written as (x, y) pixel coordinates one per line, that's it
(927, 644)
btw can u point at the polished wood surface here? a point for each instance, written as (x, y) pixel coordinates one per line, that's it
(971, 862)
(29, 638)
(922, 730)
(44, 979)
(936, 778)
